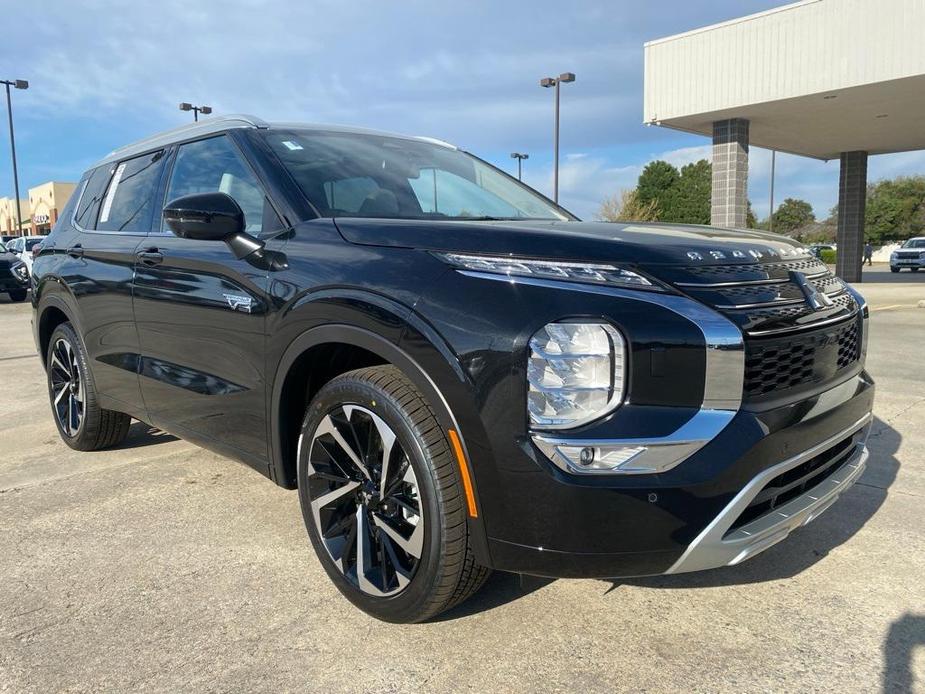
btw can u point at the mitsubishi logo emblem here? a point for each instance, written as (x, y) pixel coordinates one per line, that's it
(815, 299)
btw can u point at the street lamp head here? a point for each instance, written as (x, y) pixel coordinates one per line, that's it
(205, 110)
(519, 155)
(548, 82)
(567, 77)
(185, 106)
(21, 84)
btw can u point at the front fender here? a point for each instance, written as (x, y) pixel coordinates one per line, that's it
(397, 335)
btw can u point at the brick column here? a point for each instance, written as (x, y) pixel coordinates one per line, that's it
(729, 205)
(852, 200)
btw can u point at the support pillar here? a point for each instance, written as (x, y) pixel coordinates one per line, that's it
(852, 199)
(729, 203)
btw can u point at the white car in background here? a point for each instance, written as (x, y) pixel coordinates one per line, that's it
(911, 255)
(23, 246)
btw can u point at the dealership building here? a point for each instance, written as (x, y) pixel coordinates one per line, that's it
(829, 79)
(39, 211)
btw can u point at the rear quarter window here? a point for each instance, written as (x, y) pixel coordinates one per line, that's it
(88, 207)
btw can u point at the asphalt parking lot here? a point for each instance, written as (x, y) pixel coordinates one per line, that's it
(160, 566)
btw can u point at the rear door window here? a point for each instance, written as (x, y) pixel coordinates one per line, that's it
(129, 200)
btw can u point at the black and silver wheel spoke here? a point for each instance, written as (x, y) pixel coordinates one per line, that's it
(67, 390)
(365, 501)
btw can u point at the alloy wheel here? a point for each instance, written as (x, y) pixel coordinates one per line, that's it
(365, 500)
(66, 387)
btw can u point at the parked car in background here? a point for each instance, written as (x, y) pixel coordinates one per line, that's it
(817, 248)
(7, 237)
(454, 372)
(14, 277)
(910, 255)
(26, 247)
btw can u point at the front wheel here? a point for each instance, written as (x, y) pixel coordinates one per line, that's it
(17, 295)
(82, 423)
(894, 269)
(381, 498)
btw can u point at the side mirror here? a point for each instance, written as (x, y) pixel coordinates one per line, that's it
(218, 217)
(211, 217)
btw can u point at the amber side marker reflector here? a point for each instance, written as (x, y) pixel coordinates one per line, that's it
(464, 472)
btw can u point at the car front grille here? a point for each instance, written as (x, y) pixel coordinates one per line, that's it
(789, 342)
(798, 480)
(776, 364)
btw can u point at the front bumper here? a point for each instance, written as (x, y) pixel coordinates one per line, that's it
(11, 282)
(691, 518)
(721, 545)
(907, 262)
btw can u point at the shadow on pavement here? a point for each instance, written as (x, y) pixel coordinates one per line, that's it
(905, 635)
(805, 546)
(500, 589)
(141, 434)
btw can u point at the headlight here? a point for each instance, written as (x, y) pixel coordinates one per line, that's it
(576, 374)
(593, 273)
(922, 255)
(21, 271)
(894, 255)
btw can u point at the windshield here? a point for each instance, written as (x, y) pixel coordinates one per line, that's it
(3, 248)
(914, 243)
(360, 175)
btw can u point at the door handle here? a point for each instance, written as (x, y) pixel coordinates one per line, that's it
(76, 251)
(149, 257)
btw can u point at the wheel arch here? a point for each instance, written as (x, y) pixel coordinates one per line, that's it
(52, 310)
(368, 348)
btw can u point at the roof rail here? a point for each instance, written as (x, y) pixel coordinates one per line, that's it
(184, 132)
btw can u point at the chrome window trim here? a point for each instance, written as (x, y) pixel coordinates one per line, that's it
(712, 548)
(724, 376)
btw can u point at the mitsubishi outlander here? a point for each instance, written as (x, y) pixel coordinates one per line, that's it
(455, 373)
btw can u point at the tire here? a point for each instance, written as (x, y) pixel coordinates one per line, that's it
(914, 269)
(81, 422)
(422, 563)
(894, 269)
(17, 294)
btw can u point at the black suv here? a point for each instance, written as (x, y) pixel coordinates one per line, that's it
(455, 373)
(14, 275)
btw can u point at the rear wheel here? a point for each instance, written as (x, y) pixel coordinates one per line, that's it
(17, 295)
(381, 498)
(914, 269)
(82, 423)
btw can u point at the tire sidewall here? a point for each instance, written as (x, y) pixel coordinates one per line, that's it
(403, 606)
(66, 331)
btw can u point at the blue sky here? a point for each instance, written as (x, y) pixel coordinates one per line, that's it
(105, 73)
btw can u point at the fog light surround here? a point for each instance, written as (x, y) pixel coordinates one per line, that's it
(576, 374)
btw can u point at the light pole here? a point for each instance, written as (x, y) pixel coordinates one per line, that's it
(204, 110)
(520, 160)
(18, 84)
(771, 203)
(555, 82)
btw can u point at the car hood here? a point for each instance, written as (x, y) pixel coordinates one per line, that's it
(632, 243)
(7, 260)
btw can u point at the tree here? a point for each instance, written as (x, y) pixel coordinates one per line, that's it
(626, 207)
(690, 198)
(656, 184)
(895, 209)
(792, 214)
